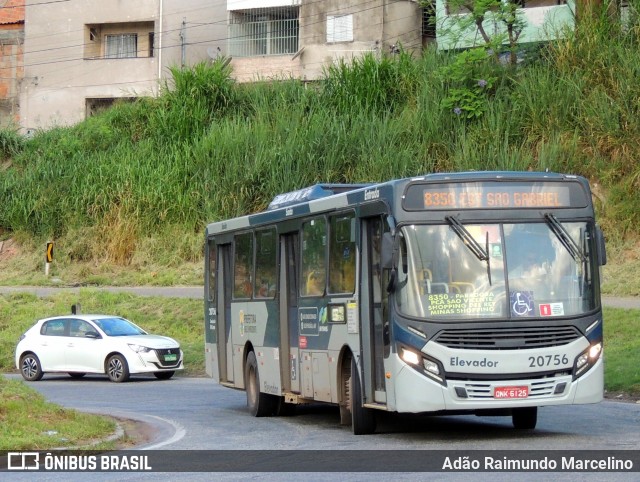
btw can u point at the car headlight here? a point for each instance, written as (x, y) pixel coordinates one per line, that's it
(139, 348)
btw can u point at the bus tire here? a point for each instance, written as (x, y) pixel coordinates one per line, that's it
(284, 409)
(363, 420)
(259, 404)
(525, 418)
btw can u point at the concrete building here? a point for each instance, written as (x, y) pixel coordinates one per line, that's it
(81, 55)
(299, 38)
(11, 60)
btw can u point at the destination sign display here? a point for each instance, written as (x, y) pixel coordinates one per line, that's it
(494, 195)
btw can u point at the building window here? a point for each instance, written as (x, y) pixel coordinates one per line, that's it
(119, 40)
(121, 46)
(429, 22)
(339, 28)
(97, 105)
(263, 31)
(152, 45)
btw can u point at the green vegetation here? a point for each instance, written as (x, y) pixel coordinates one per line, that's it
(28, 422)
(135, 186)
(621, 355)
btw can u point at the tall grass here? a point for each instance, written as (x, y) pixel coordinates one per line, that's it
(209, 149)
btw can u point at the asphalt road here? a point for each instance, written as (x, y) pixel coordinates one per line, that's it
(198, 414)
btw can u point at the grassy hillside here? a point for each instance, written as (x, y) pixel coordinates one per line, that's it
(135, 186)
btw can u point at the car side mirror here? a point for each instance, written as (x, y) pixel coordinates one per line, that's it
(92, 334)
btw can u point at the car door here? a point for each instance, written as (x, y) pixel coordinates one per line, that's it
(50, 345)
(84, 348)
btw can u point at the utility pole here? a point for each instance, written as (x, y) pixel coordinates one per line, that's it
(183, 41)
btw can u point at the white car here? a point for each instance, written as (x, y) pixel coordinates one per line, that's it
(81, 344)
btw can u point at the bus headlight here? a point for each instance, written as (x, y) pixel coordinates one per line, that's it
(431, 366)
(587, 359)
(422, 363)
(411, 357)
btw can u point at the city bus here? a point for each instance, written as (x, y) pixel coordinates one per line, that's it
(448, 293)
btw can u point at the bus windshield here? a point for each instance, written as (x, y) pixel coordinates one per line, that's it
(456, 272)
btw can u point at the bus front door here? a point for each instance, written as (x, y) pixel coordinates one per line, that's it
(373, 302)
(289, 358)
(225, 285)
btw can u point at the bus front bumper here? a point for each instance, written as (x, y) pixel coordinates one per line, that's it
(416, 393)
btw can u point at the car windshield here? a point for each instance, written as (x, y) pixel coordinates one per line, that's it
(457, 271)
(118, 327)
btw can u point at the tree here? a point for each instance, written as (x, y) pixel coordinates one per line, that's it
(504, 17)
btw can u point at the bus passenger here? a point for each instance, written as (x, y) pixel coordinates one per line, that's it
(315, 283)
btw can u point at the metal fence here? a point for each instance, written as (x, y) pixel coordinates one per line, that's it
(263, 31)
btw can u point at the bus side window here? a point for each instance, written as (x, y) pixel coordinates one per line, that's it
(265, 282)
(342, 256)
(243, 266)
(314, 242)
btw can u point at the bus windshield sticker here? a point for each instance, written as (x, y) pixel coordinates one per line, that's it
(352, 317)
(551, 309)
(470, 304)
(521, 303)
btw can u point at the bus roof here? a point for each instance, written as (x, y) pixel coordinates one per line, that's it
(310, 193)
(322, 197)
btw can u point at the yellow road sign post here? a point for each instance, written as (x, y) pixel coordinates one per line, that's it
(48, 257)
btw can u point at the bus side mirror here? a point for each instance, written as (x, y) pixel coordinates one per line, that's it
(386, 253)
(388, 259)
(600, 247)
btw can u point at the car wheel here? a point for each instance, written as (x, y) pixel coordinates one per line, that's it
(30, 367)
(259, 404)
(117, 369)
(163, 375)
(76, 374)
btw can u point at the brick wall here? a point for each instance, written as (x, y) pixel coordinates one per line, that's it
(11, 60)
(12, 12)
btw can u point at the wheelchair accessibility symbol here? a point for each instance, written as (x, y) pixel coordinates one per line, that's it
(522, 303)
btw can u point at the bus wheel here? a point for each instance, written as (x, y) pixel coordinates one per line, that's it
(283, 409)
(363, 420)
(525, 418)
(260, 404)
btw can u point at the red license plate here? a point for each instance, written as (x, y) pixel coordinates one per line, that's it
(511, 392)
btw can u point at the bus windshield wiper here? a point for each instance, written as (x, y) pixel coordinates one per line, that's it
(468, 239)
(565, 238)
